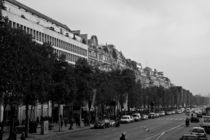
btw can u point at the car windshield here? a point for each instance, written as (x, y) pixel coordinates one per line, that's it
(197, 131)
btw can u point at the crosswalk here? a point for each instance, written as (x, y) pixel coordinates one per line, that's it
(171, 119)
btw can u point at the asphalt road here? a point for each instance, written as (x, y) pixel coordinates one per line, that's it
(164, 128)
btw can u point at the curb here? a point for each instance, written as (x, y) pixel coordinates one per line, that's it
(55, 134)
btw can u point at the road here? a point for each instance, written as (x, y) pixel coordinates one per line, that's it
(164, 128)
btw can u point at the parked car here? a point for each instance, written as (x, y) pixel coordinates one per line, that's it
(151, 115)
(162, 113)
(132, 119)
(173, 112)
(178, 111)
(157, 115)
(126, 119)
(112, 123)
(200, 132)
(136, 116)
(144, 117)
(168, 113)
(105, 123)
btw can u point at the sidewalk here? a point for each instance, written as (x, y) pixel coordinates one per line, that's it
(55, 132)
(51, 133)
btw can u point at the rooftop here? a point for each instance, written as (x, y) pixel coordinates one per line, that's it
(38, 14)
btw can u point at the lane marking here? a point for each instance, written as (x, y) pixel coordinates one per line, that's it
(160, 135)
(163, 133)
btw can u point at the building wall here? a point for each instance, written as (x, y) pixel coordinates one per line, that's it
(41, 32)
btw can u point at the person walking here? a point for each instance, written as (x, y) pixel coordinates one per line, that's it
(187, 122)
(122, 137)
(23, 137)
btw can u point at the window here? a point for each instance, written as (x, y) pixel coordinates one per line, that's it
(33, 33)
(37, 35)
(27, 30)
(10, 22)
(14, 25)
(24, 28)
(42, 37)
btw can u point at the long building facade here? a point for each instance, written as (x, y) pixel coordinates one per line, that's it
(44, 29)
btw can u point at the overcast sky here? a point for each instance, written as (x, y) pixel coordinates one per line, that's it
(172, 36)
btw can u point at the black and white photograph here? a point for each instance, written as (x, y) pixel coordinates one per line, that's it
(104, 70)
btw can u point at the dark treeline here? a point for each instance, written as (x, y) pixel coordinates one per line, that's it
(31, 73)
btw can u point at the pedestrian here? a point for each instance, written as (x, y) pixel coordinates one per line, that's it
(23, 137)
(61, 123)
(122, 137)
(77, 121)
(71, 123)
(187, 122)
(65, 122)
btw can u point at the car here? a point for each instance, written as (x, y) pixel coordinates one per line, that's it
(189, 137)
(126, 119)
(105, 123)
(168, 112)
(136, 116)
(194, 118)
(112, 123)
(173, 112)
(151, 115)
(162, 113)
(200, 132)
(132, 119)
(144, 117)
(157, 115)
(199, 113)
(178, 111)
(187, 111)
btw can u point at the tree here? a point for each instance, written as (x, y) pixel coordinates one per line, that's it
(15, 56)
(25, 70)
(83, 72)
(127, 84)
(63, 88)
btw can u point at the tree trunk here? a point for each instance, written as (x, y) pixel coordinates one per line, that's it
(27, 120)
(59, 118)
(12, 134)
(3, 122)
(42, 121)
